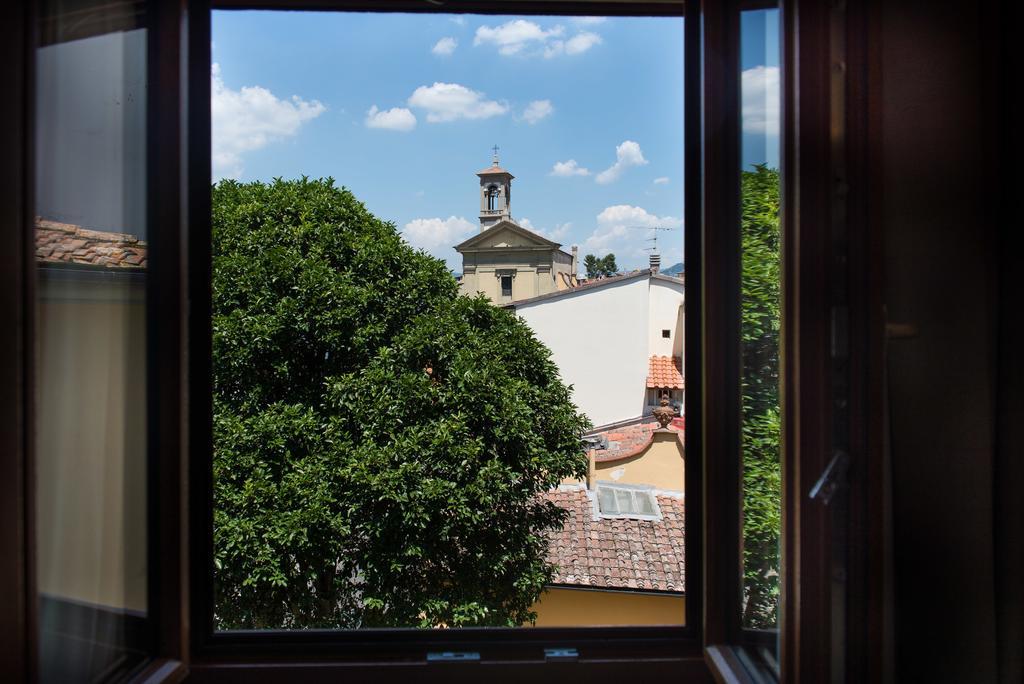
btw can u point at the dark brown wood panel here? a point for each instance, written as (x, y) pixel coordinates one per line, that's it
(167, 309)
(495, 672)
(720, 283)
(17, 621)
(806, 219)
(551, 7)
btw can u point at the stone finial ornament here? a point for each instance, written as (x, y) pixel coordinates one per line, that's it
(664, 413)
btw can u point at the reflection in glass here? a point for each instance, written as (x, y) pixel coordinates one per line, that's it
(91, 254)
(761, 318)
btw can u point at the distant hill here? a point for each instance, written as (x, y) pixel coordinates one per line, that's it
(674, 270)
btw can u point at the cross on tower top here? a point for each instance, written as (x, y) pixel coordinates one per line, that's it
(495, 148)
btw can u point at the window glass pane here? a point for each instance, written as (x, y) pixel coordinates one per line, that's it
(644, 505)
(399, 434)
(761, 317)
(92, 255)
(606, 500)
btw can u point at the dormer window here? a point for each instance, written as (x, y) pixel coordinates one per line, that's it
(625, 501)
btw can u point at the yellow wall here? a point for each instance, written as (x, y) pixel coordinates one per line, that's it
(660, 465)
(91, 437)
(562, 607)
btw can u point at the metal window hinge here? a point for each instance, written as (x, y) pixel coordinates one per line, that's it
(453, 657)
(833, 477)
(561, 654)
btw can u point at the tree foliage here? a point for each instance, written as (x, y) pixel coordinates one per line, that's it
(761, 321)
(379, 441)
(600, 267)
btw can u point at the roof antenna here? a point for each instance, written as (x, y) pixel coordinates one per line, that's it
(655, 260)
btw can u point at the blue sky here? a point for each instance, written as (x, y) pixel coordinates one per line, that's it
(403, 110)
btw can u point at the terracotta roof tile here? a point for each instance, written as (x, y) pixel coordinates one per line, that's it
(618, 553)
(665, 372)
(625, 441)
(64, 243)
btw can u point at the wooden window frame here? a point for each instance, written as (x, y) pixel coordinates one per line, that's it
(660, 650)
(711, 643)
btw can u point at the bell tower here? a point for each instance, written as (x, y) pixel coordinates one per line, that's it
(495, 194)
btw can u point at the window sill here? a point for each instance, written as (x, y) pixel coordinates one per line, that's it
(682, 669)
(162, 671)
(731, 665)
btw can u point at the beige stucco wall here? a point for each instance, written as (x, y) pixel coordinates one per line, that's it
(563, 607)
(661, 465)
(535, 267)
(91, 440)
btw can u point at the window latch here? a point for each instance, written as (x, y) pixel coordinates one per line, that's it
(831, 478)
(453, 657)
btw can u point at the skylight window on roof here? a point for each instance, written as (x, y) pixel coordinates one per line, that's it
(626, 501)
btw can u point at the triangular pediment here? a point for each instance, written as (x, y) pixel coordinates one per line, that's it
(506, 235)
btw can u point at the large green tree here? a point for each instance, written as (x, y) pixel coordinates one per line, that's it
(761, 321)
(600, 267)
(379, 441)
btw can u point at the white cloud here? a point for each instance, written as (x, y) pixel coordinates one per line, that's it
(628, 215)
(445, 46)
(663, 180)
(569, 168)
(537, 110)
(588, 21)
(627, 154)
(451, 101)
(578, 44)
(458, 19)
(438, 236)
(560, 231)
(618, 232)
(581, 42)
(760, 90)
(557, 233)
(513, 37)
(526, 38)
(527, 224)
(251, 118)
(394, 119)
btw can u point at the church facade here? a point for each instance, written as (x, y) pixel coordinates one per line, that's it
(505, 261)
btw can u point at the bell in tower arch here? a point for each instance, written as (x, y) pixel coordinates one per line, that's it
(495, 194)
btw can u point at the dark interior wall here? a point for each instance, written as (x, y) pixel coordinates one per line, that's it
(941, 266)
(1008, 470)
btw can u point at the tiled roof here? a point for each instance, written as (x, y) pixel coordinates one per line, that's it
(64, 243)
(665, 372)
(625, 441)
(617, 553)
(595, 283)
(492, 169)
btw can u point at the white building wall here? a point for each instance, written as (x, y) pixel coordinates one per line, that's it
(666, 301)
(599, 341)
